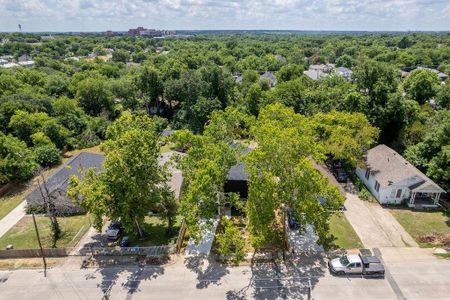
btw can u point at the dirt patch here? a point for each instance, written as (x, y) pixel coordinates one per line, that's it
(29, 263)
(436, 239)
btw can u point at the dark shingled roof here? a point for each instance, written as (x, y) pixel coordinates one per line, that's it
(237, 172)
(57, 183)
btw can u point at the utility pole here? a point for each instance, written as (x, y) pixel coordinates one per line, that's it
(283, 210)
(40, 245)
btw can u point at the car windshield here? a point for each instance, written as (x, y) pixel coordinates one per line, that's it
(343, 260)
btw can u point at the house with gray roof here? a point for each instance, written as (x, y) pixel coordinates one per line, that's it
(344, 72)
(270, 77)
(58, 183)
(392, 179)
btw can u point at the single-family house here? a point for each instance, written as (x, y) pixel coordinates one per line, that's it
(392, 179)
(57, 184)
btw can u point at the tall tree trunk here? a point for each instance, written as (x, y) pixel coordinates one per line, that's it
(139, 229)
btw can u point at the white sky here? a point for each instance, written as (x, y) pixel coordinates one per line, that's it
(101, 15)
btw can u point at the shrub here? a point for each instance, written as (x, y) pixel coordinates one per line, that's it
(47, 155)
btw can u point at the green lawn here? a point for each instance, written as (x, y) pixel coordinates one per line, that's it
(23, 234)
(423, 223)
(155, 231)
(13, 198)
(344, 235)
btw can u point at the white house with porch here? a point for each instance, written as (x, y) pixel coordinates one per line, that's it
(392, 180)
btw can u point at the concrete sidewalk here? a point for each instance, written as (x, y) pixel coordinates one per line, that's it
(12, 218)
(375, 226)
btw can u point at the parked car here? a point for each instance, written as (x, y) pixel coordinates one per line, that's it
(292, 220)
(114, 230)
(356, 265)
(113, 234)
(340, 175)
(125, 242)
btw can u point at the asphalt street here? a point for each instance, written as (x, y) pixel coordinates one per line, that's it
(413, 273)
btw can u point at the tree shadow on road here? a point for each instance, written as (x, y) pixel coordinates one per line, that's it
(134, 274)
(207, 269)
(276, 279)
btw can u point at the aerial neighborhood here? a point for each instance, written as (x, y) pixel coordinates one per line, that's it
(193, 164)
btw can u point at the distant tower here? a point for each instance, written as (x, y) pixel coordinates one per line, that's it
(20, 28)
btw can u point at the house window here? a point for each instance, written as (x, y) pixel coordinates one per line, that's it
(367, 174)
(377, 186)
(399, 193)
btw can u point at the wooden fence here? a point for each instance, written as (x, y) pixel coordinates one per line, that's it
(25, 253)
(181, 235)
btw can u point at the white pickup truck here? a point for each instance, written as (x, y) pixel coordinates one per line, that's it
(356, 264)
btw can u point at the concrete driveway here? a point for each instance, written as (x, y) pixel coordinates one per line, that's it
(12, 218)
(375, 226)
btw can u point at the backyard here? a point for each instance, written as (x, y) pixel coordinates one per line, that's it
(428, 228)
(23, 234)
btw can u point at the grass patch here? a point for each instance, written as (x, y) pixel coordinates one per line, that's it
(23, 234)
(29, 263)
(155, 232)
(443, 255)
(13, 198)
(343, 233)
(423, 224)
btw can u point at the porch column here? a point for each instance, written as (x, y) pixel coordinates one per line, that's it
(413, 197)
(436, 198)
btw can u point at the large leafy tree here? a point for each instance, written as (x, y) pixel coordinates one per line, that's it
(281, 173)
(16, 160)
(421, 85)
(432, 153)
(131, 183)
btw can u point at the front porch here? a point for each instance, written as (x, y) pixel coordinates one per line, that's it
(424, 200)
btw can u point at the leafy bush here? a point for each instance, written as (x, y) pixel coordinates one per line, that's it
(230, 241)
(47, 155)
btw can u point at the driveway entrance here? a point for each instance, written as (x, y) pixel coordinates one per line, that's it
(375, 226)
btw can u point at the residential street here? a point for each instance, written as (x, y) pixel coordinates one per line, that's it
(412, 273)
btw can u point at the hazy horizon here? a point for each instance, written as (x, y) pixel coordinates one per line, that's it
(298, 15)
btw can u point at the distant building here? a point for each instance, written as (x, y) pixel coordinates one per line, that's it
(316, 72)
(442, 76)
(270, 77)
(344, 72)
(238, 78)
(9, 65)
(24, 57)
(26, 64)
(141, 31)
(47, 37)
